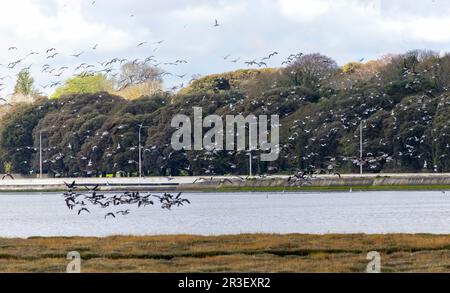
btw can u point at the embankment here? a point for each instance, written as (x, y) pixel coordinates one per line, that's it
(241, 183)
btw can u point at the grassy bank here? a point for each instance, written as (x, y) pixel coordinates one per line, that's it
(234, 253)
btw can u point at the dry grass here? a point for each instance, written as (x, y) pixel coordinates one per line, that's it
(233, 253)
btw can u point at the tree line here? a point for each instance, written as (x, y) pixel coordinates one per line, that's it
(400, 101)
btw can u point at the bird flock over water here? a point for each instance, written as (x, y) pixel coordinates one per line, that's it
(82, 198)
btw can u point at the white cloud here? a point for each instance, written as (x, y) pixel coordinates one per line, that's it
(346, 30)
(304, 10)
(425, 29)
(26, 23)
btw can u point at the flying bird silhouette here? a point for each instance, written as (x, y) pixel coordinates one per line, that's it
(77, 55)
(83, 209)
(110, 215)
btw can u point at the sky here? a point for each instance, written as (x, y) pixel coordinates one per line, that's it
(345, 30)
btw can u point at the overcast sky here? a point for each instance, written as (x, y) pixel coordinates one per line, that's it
(346, 30)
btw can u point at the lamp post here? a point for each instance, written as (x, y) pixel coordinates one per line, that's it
(250, 163)
(361, 148)
(249, 151)
(250, 145)
(40, 153)
(140, 150)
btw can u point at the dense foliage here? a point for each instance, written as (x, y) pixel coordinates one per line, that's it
(24, 83)
(81, 84)
(401, 101)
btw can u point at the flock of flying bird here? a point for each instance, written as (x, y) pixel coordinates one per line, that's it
(107, 67)
(50, 68)
(321, 128)
(81, 200)
(305, 126)
(83, 68)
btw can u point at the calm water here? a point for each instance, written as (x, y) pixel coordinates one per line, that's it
(39, 214)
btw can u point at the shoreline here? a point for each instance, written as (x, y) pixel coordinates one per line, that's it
(278, 189)
(275, 183)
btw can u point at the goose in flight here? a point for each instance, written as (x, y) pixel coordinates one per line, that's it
(83, 209)
(110, 215)
(7, 175)
(71, 185)
(93, 189)
(123, 213)
(77, 55)
(51, 56)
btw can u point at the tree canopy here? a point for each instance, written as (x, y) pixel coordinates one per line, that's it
(24, 83)
(84, 84)
(402, 101)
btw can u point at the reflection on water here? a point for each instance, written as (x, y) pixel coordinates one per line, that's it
(39, 214)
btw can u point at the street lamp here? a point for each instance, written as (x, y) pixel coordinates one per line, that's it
(250, 147)
(361, 148)
(250, 164)
(40, 153)
(140, 149)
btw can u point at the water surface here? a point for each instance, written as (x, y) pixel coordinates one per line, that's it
(45, 214)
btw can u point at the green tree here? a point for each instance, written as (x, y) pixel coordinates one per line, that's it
(24, 83)
(84, 85)
(7, 167)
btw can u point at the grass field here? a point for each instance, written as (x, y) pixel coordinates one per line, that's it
(234, 253)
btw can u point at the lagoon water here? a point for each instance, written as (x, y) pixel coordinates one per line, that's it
(45, 214)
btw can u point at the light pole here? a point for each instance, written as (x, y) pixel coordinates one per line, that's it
(140, 150)
(40, 153)
(249, 151)
(250, 145)
(250, 163)
(361, 148)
